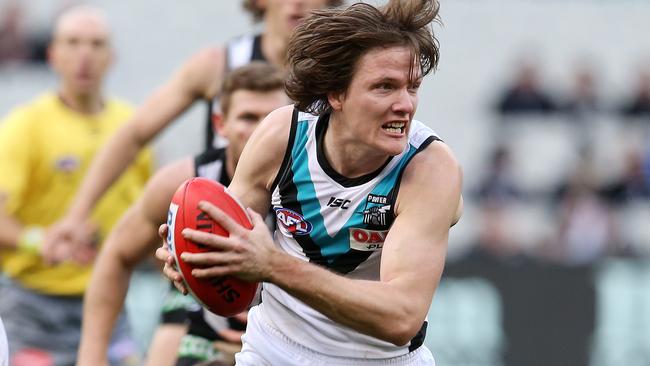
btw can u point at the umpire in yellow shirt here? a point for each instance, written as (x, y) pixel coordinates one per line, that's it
(45, 148)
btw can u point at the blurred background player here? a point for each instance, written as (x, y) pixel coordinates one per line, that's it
(249, 93)
(45, 148)
(198, 79)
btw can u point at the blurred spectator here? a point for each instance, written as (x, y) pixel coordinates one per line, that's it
(13, 37)
(583, 103)
(639, 104)
(634, 184)
(525, 95)
(18, 44)
(498, 184)
(586, 226)
(496, 237)
(495, 194)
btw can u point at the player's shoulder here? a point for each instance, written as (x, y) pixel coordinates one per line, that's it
(170, 176)
(433, 177)
(207, 56)
(267, 147)
(119, 105)
(182, 168)
(277, 123)
(160, 188)
(30, 112)
(435, 159)
(202, 73)
(435, 166)
(206, 62)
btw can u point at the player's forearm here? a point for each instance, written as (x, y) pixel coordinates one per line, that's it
(107, 166)
(103, 302)
(379, 309)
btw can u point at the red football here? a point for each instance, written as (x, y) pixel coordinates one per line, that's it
(225, 296)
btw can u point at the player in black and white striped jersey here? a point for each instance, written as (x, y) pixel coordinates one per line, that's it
(249, 94)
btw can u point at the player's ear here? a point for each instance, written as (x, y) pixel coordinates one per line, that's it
(335, 99)
(218, 122)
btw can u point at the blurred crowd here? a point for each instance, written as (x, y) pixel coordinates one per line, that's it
(567, 177)
(20, 41)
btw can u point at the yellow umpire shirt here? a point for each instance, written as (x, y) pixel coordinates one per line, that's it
(45, 151)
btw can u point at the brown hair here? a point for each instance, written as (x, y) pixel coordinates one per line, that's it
(256, 76)
(257, 11)
(325, 49)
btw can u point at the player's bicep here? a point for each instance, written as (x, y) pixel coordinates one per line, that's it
(132, 239)
(199, 78)
(161, 187)
(136, 235)
(414, 254)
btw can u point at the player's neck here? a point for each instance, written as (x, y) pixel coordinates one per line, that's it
(348, 157)
(274, 47)
(85, 103)
(231, 162)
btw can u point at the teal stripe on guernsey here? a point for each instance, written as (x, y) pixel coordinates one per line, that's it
(341, 241)
(383, 188)
(301, 138)
(306, 194)
(331, 247)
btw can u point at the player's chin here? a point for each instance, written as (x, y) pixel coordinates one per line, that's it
(393, 146)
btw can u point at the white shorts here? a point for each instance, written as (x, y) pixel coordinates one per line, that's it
(264, 345)
(4, 346)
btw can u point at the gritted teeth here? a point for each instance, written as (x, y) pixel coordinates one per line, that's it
(395, 127)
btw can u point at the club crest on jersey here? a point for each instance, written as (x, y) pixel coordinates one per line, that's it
(292, 222)
(367, 240)
(376, 215)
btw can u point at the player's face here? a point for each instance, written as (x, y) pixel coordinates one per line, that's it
(81, 53)
(247, 109)
(285, 15)
(377, 108)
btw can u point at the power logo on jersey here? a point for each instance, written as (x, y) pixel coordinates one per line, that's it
(376, 209)
(292, 222)
(377, 222)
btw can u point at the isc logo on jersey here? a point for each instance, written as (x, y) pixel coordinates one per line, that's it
(292, 222)
(367, 240)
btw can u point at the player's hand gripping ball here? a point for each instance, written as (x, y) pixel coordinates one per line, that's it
(227, 295)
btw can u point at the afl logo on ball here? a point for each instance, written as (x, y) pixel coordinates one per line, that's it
(292, 222)
(171, 226)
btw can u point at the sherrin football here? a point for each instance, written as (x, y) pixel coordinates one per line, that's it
(227, 295)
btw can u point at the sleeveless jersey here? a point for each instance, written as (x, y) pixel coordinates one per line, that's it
(336, 222)
(240, 51)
